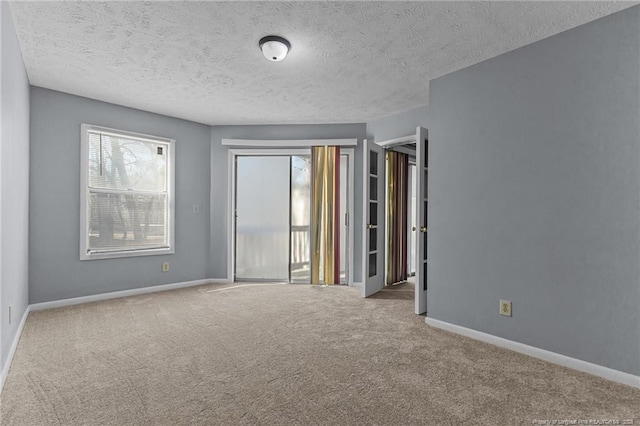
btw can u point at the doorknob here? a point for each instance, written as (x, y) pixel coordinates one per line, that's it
(423, 229)
(369, 226)
(413, 228)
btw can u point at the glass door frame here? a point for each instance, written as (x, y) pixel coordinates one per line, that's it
(412, 227)
(231, 200)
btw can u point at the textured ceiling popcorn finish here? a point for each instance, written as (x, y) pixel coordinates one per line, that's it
(349, 61)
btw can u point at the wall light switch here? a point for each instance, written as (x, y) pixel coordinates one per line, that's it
(505, 307)
(165, 266)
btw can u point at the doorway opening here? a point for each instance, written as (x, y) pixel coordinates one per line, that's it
(270, 238)
(400, 218)
(395, 214)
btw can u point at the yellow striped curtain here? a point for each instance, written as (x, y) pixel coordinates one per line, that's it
(325, 209)
(397, 216)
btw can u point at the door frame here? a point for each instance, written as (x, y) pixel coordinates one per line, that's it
(419, 137)
(231, 199)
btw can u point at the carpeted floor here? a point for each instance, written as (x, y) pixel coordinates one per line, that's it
(282, 354)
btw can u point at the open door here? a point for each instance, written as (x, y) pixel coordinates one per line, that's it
(422, 169)
(373, 220)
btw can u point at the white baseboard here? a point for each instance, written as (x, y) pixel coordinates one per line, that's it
(12, 350)
(116, 294)
(556, 358)
(219, 281)
(357, 285)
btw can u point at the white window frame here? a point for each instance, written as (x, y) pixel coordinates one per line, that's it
(85, 254)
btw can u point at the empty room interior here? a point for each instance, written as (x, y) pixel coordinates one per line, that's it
(272, 213)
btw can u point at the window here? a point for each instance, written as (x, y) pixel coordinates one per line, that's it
(126, 201)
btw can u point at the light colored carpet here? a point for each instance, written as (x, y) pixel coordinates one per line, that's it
(281, 354)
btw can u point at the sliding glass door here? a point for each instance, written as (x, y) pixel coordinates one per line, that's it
(262, 218)
(273, 218)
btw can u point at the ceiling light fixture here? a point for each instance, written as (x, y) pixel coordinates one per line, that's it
(274, 48)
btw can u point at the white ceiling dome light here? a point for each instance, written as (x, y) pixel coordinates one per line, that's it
(274, 48)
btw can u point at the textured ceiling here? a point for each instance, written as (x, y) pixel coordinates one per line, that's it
(350, 61)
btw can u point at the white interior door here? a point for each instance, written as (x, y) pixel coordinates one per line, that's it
(422, 169)
(373, 220)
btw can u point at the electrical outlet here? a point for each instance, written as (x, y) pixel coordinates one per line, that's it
(505, 307)
(10, 314)
(165, 266)
(196, 208)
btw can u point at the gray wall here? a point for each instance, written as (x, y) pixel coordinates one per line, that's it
(14, 178)
(220, 184)
(398, 125)
(534, 194)
(55, 269)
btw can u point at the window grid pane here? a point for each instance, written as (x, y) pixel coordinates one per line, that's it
(127, 164)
